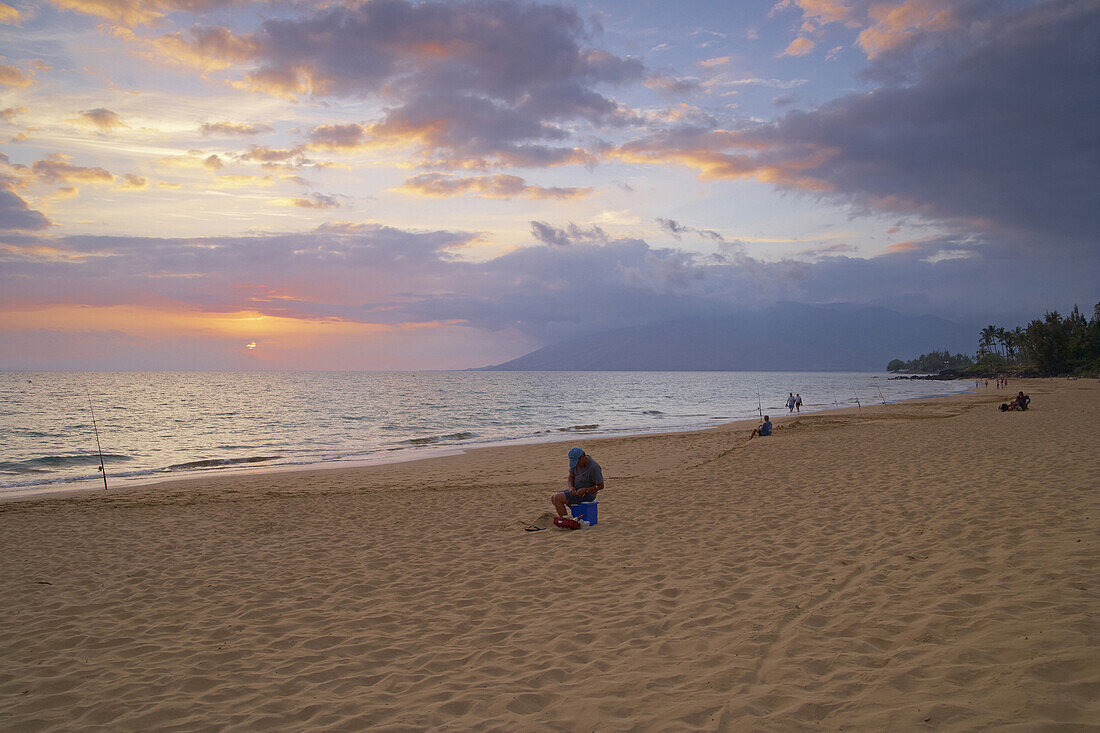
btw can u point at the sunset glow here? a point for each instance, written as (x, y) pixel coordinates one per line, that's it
(487, 178)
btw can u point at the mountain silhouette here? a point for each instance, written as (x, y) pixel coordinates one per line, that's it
(783, 337)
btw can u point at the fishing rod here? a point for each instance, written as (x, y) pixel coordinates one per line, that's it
(759, 410)
(102, 470)
(880, 393)
(858, 406)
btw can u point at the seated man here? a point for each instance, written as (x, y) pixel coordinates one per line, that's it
(765, 428)
(585, 479)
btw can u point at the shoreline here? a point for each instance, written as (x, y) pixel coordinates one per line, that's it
(927, 563)
(62, 489)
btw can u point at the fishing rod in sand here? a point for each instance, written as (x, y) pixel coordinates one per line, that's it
(859, 407)
(759, 410)
(102, 470)
(880, 393)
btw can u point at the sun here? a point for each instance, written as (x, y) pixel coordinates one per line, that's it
(250, 345)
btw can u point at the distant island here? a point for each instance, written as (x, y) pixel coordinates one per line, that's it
(1051, 346)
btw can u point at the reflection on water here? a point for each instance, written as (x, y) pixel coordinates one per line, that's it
(152, 423)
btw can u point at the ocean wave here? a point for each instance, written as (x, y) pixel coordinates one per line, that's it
(429, 439)
(219, 462)
(652, 412)
(43, 464)
(578, 428)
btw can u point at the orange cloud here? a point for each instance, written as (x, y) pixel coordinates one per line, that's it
(42, 253)
(894, 24)
(131, 182)
(11, 76)
(8, 14)
(141, 320)
(139, 12)
(719, 61)
(316, 201)
(101, 119)
(8, 114)
(56, 169)
(494, 187)
(825, 11)
(907, 246)
(799, 47)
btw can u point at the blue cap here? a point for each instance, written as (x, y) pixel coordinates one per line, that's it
(574, 456)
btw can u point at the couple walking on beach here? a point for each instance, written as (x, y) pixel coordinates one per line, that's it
(794, 402)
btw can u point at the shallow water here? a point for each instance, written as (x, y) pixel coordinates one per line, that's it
(159, 424)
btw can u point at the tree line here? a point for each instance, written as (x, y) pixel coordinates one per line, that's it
(1051, 346)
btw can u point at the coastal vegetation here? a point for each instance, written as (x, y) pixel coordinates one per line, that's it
(1051, 346)
(931, 363)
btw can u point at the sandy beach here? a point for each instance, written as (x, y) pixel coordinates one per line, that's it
(926, 565)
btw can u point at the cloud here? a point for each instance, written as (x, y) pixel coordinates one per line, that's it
(578, 280)
(671, 85)
(676, 229)
(799, 47)
(500, 81)
(194, 159)
(832, 249)
(101, 119)
(11, 76)
(338, 137)
(988, 129)
(8, 14)
(140, 12)
(131, 182)
(275, 156)
(9, 114)
(57, 169)
(15, 214)
(313, 201)
(235, 128)
(498, 186)
(564, 237)
(718, 61)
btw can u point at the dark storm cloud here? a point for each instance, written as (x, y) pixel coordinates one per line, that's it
(988, 123)
(1001, 132)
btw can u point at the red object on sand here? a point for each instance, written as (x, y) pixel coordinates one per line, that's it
(566, 523)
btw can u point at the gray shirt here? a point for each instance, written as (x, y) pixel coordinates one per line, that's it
(588, 476)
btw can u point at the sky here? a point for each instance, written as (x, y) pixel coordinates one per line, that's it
(393, 184)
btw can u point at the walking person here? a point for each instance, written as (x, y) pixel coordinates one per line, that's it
(798, 403)
(790, 402)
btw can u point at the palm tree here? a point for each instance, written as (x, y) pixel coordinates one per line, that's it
(988, 338)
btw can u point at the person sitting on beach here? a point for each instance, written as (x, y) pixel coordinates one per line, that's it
(1019, 402)
(585, 479)
(764, 429)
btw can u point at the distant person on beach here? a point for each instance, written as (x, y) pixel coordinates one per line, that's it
(764, 429)
(798, 402)
(790, 402)
(585, 479)
(1019, 402)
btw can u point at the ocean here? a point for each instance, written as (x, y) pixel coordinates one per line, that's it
(155, 425)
